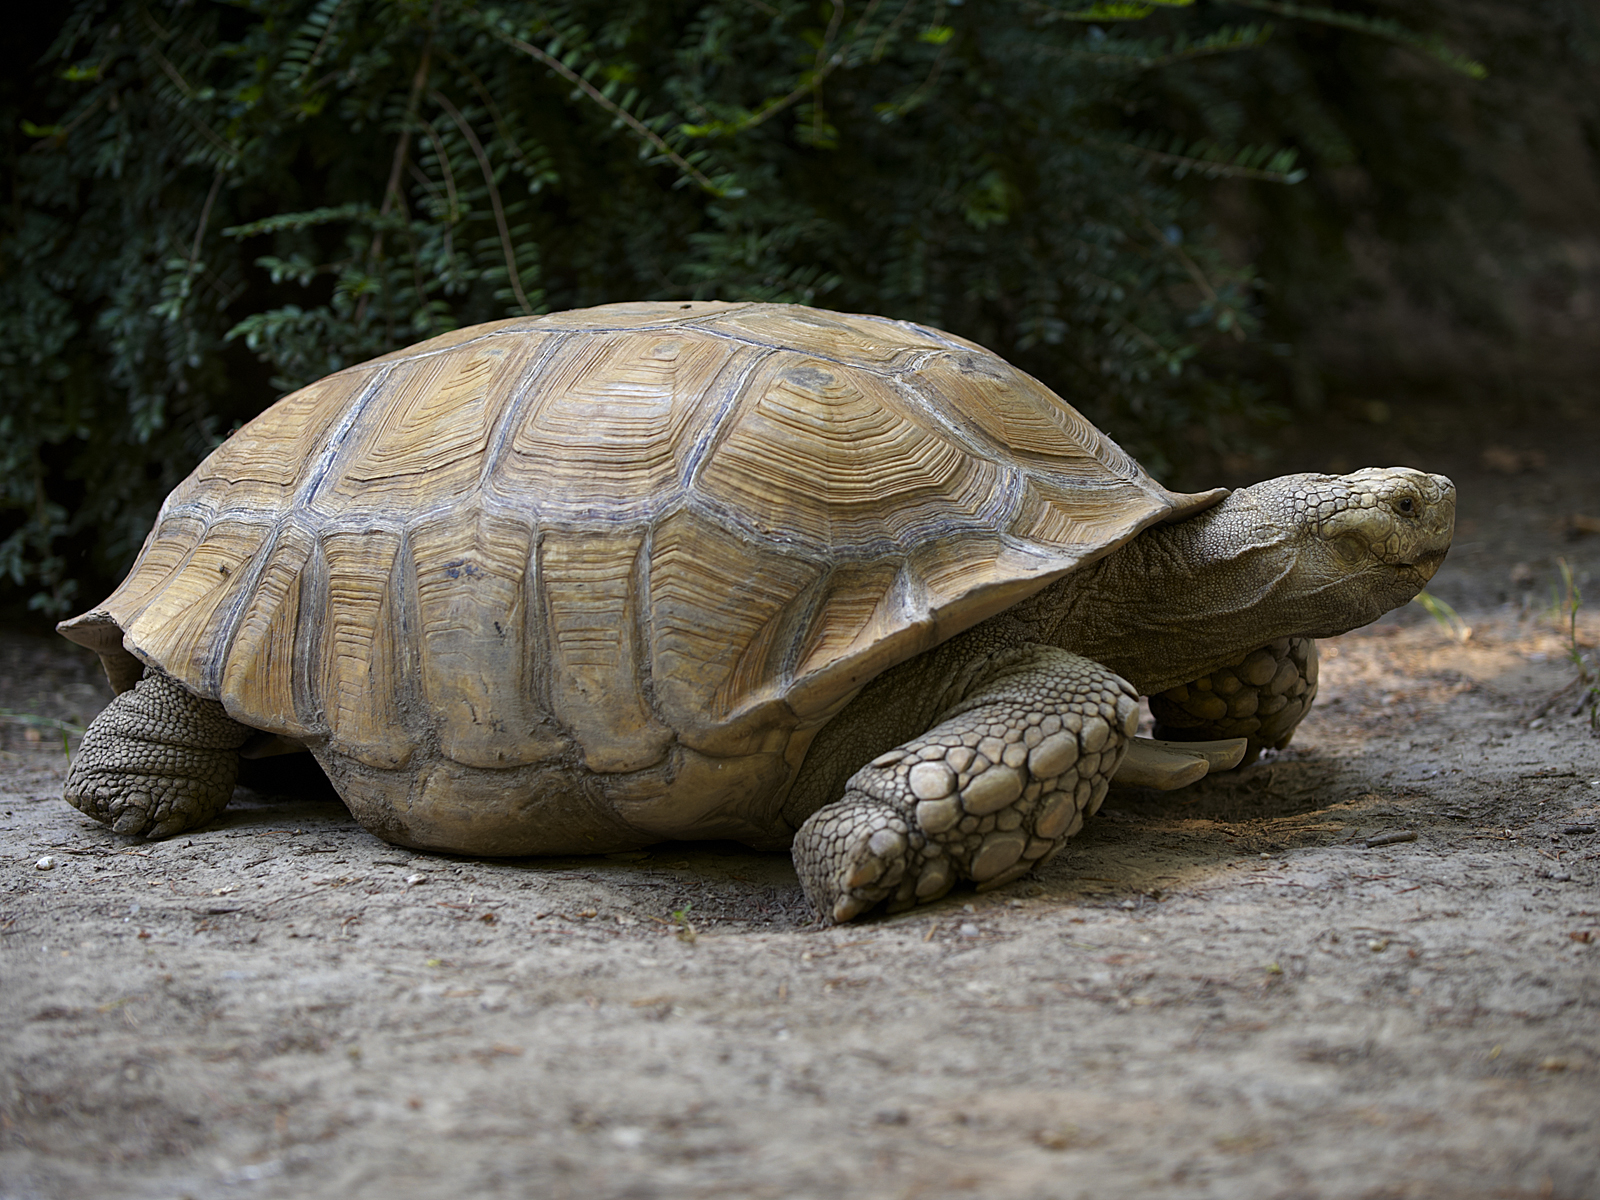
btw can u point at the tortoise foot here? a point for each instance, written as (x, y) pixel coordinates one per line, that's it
(987, 795)
(157, 761)
(1263, 697)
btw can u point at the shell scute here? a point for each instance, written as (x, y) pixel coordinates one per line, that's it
(721, 612)
(360, 669)
(477, 673)
(831, 459)
(263, 678)
(873, 343)
(261, 467)
(424, 444)
(186, 623)
(610, 422)
(590, 585)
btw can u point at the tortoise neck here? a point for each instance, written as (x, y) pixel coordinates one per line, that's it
(1180, 600)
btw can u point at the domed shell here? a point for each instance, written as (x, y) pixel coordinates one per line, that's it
(601, 535)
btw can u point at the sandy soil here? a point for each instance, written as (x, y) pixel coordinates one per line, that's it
(1252, 988)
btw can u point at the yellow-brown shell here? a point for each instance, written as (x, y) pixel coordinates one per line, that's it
(610, 536)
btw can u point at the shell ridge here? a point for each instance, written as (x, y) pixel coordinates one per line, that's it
(716, 427)
(511, 418)
(238, 604)
(307, 491)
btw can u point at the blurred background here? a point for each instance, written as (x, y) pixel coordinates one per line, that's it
(1242, 237)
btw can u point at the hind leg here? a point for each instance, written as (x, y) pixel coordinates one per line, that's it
(1262, 697)
(990, 792)
(157, 761)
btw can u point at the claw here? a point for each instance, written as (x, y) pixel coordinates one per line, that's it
(1156, 765)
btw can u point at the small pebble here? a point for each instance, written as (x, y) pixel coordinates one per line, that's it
(969, 930)
(414, 880)
(1577, 829)
(47, 863)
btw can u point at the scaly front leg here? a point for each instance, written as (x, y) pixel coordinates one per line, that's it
(990, 792)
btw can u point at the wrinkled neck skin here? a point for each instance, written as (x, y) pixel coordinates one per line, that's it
(1302, 555)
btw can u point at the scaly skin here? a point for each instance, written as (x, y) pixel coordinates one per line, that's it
(1262, 698)
(157, 761)
(994, 789)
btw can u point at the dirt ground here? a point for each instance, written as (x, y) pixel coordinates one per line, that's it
(1251, 988)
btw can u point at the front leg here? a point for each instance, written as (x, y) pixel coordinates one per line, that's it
(1263, 697)
(993, 790)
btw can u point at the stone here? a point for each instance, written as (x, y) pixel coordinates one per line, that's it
(998, 852)
(1053, 755)
(992, 791)
(932, 781)
(937, 816)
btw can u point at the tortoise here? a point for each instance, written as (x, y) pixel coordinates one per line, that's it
(592, 580)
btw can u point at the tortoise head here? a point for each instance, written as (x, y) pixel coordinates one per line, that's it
(1360, 544)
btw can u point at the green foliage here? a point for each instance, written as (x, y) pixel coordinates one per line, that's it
(215, 203)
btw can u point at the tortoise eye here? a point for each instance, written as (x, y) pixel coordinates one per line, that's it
(1408, 505)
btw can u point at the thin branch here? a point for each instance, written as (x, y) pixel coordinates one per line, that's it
(205, 218)
(889, 31)
(1204, 166)
(1189, 265)
(612, 107)
(57, 140)
(494, 109)
(316, 55)
(818, 73)
(1384, 27)
(444, 168)
(494, 194)
(391, 191)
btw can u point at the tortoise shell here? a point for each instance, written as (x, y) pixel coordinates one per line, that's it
(596, 578)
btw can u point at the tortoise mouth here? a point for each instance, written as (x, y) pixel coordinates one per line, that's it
(1424, 565)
